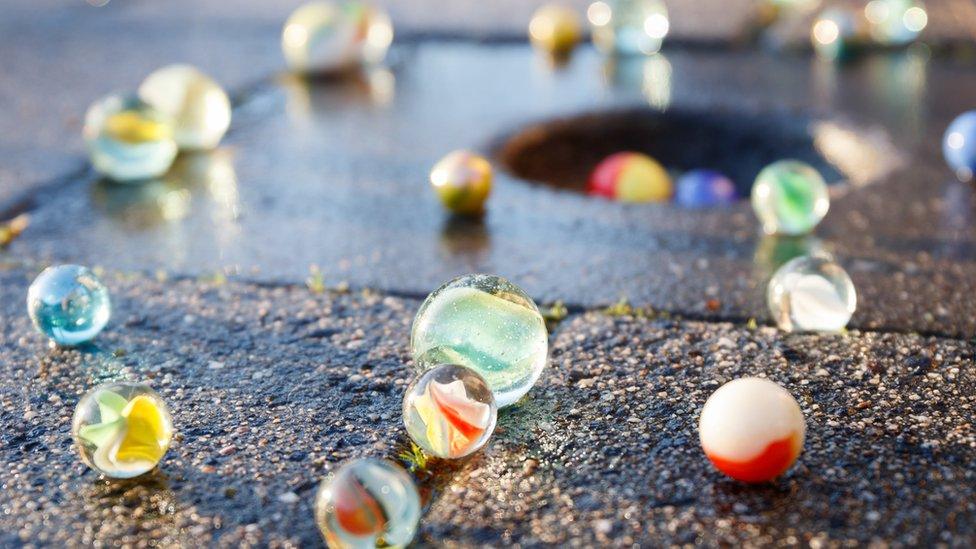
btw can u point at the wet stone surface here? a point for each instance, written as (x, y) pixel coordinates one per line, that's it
(271, 387)
(307, 158)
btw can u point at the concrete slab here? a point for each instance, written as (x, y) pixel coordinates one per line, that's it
(271, 387)
(334, 175)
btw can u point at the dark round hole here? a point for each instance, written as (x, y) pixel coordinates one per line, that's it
(563, 152)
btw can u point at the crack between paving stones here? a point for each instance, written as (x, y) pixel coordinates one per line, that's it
(28, 201)
(572, 309)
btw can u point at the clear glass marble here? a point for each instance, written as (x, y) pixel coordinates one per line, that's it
(324, 37)
(895, 22)
(555, 29)
(199, 107)
(628, 27)
(449, 411)
(122, 430)
(485, 323)
(959, 145)
(789, 197)
(367, 503)
(462, 181)
(68, 304)
(129, 140)
(811, 294)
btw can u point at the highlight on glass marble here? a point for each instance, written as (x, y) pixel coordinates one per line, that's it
(630, 177)
(811, 294)
(628, 27)
(199, 107)
(449, 411)
(789, 197)
(68, 304)
(895, 22)
(462, 181)
(367, 503)
(752, 429)
(328, 37)
(959, 145)
(129, 140)
(555, 29)
(838, 33)
(705, 189)
(487, 324)
(122, 430)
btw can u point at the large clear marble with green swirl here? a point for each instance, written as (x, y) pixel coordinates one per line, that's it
(485, 323)
(789, 198)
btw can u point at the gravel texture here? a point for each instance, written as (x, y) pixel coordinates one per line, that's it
(271, 387)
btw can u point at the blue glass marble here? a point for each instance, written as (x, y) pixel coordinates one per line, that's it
(959, 145)
(704, 189)
(68, 304)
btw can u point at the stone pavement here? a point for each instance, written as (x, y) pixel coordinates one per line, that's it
(289, 189)
(272, 384)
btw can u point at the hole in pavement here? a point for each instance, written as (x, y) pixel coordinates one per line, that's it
(563, 152)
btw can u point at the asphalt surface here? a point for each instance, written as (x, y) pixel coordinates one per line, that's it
(272, 387)
(272, 383)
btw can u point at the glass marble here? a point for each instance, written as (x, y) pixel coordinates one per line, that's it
(628, 27)
(555, 29)
(895, 22)
(752, 429)
(630, 177)
(789, 197)
(68, 304)
(199, 107)
(485, 323)
(122, 430)
(704, 189)
(128, 139)
(811, 294)
(462, 181)
(449, 411)
(367, 503)
(838, 33)
(959, 145)
(326, 37)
